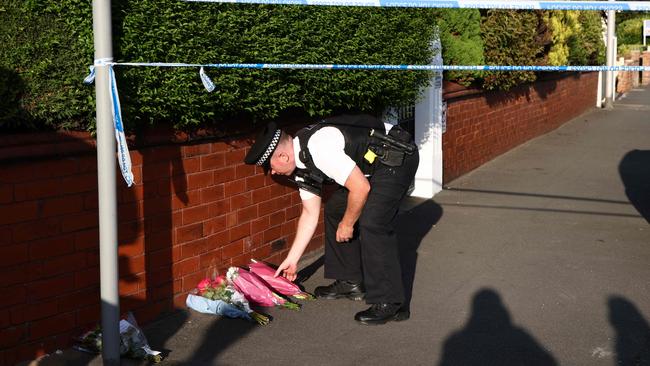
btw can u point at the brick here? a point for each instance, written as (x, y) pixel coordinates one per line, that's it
(58, 265)
(218, 240)
(241, 200)
(220, 207)
(79, 183)
(91, 200)
(223, 175)
(15, 275)
(234, 187)
(74, 300)
(187, 166)
(35, 230)
(130, 284)
(241, 260)
(6, 193)
(156, 170)
(61, 205)
(13, 254)
(5, 235)
(11, 337)
(189, 233)
(132, 265)
(214, 225)
(196, 214)
(85, 239)
(260, 224)
(210, 259)
(261, 253)
(158, 205)
(247, 214)
(235, 157)
(240, 231)
(86, 278)
(273, 233)
(40, 310)
(189, 282)
(50, 247)
(195, 150)
(213, 161)
(188, 199)
(212, 194)
(199, 180)
(78, 222)
(50, 326)
(277, 218)
(43, 289)
(89, 315)
(261, 194)
(18, 296)
(255, 182)
(193, 249)
(232, 250)
(132, 249)
(185, 267)
(18, 212)
(37, 189)
(243, 171)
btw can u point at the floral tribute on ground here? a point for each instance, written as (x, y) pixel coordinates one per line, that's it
(233, 295)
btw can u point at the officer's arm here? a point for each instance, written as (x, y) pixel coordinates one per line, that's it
(306, 227)
(358, 187)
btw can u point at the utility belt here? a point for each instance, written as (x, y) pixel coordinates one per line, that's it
(390, 149)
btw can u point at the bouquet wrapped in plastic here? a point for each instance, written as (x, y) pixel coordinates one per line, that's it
(279, 284)
(133, 343)
(220, 298)
(256, 291)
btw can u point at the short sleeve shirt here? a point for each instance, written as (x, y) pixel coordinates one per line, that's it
(327, 149)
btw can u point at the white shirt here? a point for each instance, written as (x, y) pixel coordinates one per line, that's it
(327, 149)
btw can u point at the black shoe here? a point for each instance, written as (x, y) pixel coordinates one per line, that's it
(382, 313)
(339, 289)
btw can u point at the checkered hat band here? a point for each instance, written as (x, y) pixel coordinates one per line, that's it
(269, 150)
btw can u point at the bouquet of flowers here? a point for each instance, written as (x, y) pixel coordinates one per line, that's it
(256, 290)
(133, 343)
(221, 298)
(279, 284)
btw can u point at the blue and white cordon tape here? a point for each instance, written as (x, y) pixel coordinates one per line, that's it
(123, 150)
(460, 4)
(124, 158)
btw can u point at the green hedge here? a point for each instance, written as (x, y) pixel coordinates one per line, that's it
(513, 37)
(49, 46)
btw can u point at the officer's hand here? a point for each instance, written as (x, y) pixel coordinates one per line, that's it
(289, 267)
(344, 233)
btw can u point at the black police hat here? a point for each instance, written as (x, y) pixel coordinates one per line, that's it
(265, 143)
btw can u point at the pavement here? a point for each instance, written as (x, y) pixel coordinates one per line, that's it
(539, 257)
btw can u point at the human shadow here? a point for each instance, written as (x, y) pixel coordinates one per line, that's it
(489, 338)
(411, 226)
(632, 333)
(634, 169)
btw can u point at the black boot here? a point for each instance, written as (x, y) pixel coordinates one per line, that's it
(382, 313)
(339, 289)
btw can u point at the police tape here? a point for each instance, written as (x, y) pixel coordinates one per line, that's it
(460, 4)
(124, 158)
(567, 68)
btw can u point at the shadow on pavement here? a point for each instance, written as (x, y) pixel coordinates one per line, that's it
(634, 169)
(411, 227)
(490, 339)
(632, 333)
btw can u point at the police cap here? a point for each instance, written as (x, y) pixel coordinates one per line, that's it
(265, 143)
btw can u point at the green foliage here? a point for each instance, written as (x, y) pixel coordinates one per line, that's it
(460, 35)
(513, 37)
(48, 44)
(630, 31)
(587, 46)
(564, 26)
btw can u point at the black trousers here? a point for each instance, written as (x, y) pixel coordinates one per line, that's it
(372, 256)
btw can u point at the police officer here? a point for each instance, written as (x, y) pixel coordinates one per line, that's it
(373, 176)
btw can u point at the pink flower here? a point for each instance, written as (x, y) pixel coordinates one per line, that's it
(256, 290)
(219, 281)
(279, 284)
(203, 285)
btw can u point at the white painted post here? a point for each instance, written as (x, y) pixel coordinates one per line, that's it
(428, 133)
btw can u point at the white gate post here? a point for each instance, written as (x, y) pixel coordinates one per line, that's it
(428, 132)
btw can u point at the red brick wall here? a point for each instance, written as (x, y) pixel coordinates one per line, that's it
(195, 210)
(483, 126)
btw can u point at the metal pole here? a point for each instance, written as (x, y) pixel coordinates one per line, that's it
(108, 256)
(611, 52)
